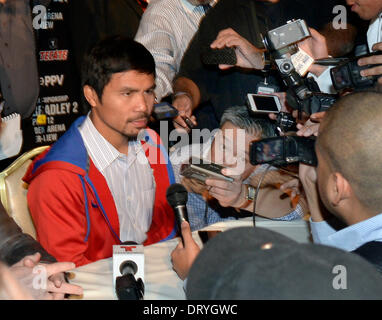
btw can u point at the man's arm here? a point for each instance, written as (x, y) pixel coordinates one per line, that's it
(186, 99)
(14, 244)
(156, 34)
(56, 202)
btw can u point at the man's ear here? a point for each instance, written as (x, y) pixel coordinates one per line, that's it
(339, 188)
(90, 95)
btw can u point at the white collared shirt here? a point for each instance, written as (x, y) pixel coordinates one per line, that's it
(166, 28)
(349, 238)
(374, 33)
(130, 180)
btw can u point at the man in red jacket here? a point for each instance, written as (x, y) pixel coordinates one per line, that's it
(104, 182)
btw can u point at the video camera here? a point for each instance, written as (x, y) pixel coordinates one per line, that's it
(282, 151)
(346, 75)
(303, 94)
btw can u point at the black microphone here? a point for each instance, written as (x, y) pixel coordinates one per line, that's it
(126, 286)
(177, 197)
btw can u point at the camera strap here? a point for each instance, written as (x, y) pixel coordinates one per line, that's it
(264, 86)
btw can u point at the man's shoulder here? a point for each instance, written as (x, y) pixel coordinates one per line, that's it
(372, 252)
(163, 7)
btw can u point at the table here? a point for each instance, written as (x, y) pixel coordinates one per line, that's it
(161, 282)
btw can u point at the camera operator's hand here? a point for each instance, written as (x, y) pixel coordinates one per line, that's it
(293, 186)
(308, 178)
(247, 55)
(183, 103)
(229, 194)
(317, 48)
(310, 127)
(377, 59)
(182, 257)
(193, 185)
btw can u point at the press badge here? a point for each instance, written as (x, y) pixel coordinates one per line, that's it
(266, 88)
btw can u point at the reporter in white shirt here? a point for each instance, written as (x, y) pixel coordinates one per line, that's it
(166, 28)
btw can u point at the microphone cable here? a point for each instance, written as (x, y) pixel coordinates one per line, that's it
(257, 193)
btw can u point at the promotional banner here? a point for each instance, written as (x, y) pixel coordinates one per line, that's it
(59, 100)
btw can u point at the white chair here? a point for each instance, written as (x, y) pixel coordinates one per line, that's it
(13, 190)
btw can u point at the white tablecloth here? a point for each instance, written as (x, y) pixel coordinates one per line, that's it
(161, 282)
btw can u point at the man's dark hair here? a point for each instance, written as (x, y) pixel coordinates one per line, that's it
(113, 55)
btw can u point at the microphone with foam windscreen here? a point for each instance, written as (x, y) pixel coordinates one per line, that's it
(177, 197)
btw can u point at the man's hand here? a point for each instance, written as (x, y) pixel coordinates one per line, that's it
(229, 194)
(183, 103)
(373, 60)
(247, 55)
(316, 47)
(293, 186)
(193, 185)
(183, 257)
(308, 178)
(10, 288)
(44, 281)
(311, 127)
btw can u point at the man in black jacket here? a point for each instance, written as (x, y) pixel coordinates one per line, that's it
(208, 89)
(94, 20)
(23, 254)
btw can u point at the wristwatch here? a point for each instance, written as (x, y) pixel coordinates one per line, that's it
(250, 193)
(249, 196)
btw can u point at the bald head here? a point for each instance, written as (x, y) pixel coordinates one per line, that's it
(350, 140)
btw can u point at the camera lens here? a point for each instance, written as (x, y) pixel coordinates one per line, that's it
(286, 67)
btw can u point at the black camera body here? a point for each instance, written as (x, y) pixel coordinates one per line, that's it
(282, 151)
(317, 101)
(286, 122)
(347, 74)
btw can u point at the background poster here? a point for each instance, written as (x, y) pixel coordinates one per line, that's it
(59, 102)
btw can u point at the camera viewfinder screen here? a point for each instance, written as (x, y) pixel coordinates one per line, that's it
(269, 150)
(265, 103)
(341, 78)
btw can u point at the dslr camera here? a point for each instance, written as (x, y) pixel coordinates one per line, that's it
(282, 151)
(281, 44)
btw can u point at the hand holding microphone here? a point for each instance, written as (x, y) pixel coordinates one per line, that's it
(177, 197)
(185, 253)
(183, 256)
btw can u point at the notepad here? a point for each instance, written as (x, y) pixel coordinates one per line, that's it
(11, 136)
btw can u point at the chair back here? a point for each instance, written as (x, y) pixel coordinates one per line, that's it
(13, 190)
